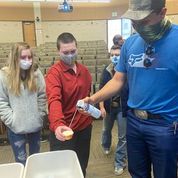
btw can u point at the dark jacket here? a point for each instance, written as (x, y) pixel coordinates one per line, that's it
(107, 75)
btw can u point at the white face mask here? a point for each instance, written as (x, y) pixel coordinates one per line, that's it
(25, 65)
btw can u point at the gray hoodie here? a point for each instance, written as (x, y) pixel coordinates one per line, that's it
(23, 114)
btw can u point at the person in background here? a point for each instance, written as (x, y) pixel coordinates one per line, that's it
(149, 60)
(65, 85)
(114, 109)
(118, 40)
(22, 101)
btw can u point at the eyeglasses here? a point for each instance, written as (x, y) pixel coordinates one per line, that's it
(150, 50)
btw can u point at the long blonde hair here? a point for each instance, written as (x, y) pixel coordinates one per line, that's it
(13, 71)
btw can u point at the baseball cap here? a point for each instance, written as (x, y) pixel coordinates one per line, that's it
(140, 9)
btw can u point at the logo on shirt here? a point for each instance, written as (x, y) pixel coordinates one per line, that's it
(138, 60)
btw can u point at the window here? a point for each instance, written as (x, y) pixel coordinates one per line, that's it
(118, 26)
(114, 27)
(126, 28)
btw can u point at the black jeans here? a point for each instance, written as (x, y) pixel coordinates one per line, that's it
(80, 143)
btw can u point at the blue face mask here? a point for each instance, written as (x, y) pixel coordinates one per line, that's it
(115, 60)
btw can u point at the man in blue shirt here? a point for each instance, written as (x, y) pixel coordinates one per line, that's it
(149, 59)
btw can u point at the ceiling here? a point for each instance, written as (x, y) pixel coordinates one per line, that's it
(113, 3)
(54, 4)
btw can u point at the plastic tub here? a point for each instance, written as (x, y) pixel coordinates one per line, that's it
(11, 170)
(56, 164)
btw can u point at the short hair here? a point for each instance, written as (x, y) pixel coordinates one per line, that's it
(115, 47)
(157, 11)
(65, 38)
(116, 39)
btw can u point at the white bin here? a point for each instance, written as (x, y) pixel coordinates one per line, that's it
(56, 164)
(11, 170)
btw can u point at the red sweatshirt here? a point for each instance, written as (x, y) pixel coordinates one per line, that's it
(64, 88)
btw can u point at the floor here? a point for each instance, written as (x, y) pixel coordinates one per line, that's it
(100, 165)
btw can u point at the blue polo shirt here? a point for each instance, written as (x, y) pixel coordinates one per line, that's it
(153, 88)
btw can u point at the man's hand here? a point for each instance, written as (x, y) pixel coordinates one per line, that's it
(102, 109)
(59, 132)
(86, 100)
(103, 112)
